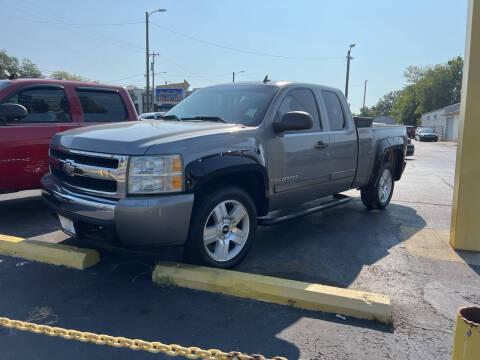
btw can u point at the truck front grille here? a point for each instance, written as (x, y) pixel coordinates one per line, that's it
(88, 172)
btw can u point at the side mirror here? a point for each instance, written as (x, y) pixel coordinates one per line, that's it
(293, 120)
(10, 111)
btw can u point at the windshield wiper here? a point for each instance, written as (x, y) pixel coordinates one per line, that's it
(170, 117)
(207, 118)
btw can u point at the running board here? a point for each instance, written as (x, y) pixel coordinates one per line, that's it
(338, 199)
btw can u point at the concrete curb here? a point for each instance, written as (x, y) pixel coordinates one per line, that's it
(358, 304)
(56, 254)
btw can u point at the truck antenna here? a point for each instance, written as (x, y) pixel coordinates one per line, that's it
(266, 79)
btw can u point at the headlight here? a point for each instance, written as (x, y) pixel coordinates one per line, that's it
(155, 174)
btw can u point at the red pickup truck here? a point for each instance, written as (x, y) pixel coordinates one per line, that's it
(52, 106)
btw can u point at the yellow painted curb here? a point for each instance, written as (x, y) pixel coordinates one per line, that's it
(304, 295)
(434, 244)
(56, 254)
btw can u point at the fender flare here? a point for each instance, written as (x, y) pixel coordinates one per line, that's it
(384, 146)
(203, 170)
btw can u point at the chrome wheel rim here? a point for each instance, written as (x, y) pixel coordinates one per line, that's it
(226, 230)
(385, 186)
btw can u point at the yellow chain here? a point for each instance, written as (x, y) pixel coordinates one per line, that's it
(133, 344)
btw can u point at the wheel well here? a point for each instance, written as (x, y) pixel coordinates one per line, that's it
(395, 157)
(250, 181)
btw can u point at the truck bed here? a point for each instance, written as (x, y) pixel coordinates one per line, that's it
(368, 143)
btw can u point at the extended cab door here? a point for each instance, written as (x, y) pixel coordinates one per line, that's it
(24, 142)
(342, 150)
(299, 159)
(100, 105)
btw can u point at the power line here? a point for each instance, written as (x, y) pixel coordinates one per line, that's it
(243, 50)
(210, 43)
(128, 77)
(104, 39)
(71, 24)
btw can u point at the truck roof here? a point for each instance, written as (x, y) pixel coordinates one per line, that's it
(276, 83)
(28, 81)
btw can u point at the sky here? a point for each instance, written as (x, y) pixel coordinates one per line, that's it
(205, 41)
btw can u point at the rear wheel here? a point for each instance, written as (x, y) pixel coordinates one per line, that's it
(378, 194)
(222, 229)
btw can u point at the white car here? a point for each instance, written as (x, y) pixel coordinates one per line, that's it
(151, 115)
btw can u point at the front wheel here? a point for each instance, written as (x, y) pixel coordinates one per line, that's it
(222, 229)
(377, 195)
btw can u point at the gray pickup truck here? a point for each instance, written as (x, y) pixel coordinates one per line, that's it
(225, 159)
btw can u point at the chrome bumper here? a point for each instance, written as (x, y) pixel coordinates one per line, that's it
(145, 221)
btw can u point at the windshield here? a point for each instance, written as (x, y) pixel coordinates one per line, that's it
(4, 84)
(427, 130)
(233, 104)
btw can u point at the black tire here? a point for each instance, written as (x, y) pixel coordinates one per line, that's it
(205, 203)
(370, 193)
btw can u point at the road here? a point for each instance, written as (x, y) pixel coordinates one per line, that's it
(345, 246)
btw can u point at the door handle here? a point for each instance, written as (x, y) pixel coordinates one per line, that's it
(320, 145)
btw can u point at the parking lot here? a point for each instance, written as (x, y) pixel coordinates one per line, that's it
(345, 246)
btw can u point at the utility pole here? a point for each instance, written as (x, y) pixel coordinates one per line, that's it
(348, 69)
(364, 93)
(147, 53)
(153, 78)
(147, 92)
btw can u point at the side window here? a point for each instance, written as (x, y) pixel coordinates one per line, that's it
(43, 105)
(299, 100)
(101, 106)
(334, 110)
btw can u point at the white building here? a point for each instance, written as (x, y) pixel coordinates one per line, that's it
(138, 97)
(444, 122)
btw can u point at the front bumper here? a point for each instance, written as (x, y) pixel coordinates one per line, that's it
(134, 221)
(428, 138)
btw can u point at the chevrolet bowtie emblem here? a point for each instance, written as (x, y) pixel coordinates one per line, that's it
(69, 168)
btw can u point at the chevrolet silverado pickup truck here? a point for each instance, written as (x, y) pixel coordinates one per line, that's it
(225, 159)
(49, 106)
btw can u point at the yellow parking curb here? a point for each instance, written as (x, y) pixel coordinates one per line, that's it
(56, 254)
(358, 304)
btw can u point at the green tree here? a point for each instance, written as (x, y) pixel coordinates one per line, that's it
(414, 73)
(385, 104)
(428, 88)
(404, 108)
(63, 75)
(368, 111)
(26, 68)
(440, 86)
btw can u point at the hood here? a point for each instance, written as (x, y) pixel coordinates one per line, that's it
(134, 138)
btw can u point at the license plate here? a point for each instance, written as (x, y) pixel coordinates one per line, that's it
(67, 225)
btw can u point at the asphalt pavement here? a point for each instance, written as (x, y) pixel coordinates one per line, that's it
(345, 246)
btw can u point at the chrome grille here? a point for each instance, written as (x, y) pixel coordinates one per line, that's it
(89, 172)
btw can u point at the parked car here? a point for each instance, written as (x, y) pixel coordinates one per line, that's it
(410, 148)
(426, 134)
(151, 115)
(51, 106)
(224, 159)
(163, 107)
(411, 132)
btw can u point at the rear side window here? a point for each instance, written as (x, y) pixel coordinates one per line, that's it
(299, 100)
(102, 106)
(43, 105)
(334, 110)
